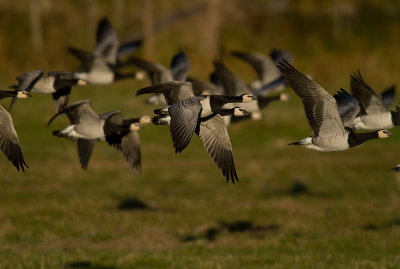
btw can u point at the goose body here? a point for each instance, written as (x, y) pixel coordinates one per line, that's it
(159, 73)
(382, 120)
(268, 74)
(233, 85)
(87, 127)
(374, 113)
(101, 66)
(328, 127)
(9, 142)
(57, 83)
(188, 114)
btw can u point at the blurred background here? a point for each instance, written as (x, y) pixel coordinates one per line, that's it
(292, 206)
(324, 36)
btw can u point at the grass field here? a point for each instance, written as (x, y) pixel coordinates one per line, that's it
(293, 207)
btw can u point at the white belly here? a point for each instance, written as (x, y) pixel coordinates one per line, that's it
(100, 77)
(44, 85)
(374, 122)
(337, 142)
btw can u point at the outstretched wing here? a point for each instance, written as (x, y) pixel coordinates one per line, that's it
(389, 96)
(107, 42)
(320, 107)
(370, 101)
(232, 84)
(173, 91)
(216, 140)
(180, 66)
(27, 80)
(77, 112)
(184, 118)
(157, 72)
(348, 107)
(9, 142)
(85, 149)
(263, 65)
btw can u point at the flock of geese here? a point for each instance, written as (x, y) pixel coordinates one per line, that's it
(195, 106)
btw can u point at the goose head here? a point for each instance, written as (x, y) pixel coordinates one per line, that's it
(135, 126)
(206, 92)
(383, 134)
(23, 94)
(239, 112)
(140, 75)
(146, 119)
(248, 97)
(284, 97)
(81, 82)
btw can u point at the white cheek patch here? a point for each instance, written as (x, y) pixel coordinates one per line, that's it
(256, 116)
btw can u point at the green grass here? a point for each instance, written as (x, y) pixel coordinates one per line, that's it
(293, 207)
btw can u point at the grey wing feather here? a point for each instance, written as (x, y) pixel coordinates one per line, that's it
(262, 64)
(173, 91)
(9, 142)
(348, 107)
(86, 57)
(180, 66)
(200, 86)
(320, 107)
(108, 115)
(389, 96)
(130, 147)
(26, 81)
(232, 84)
(184, 118)
(107, 42)
(157, 72)
(78, 112)
(216, 140)
(370, 101)
(85, 149)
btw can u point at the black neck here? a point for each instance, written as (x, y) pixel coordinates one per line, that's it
(395, 117)
(226, 112)
(4, 94)
(356, 139)
(264, 101)
(217, 101)
(119, 75)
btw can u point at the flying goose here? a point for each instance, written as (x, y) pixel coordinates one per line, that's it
(101, 66)
(191, 114)
(203, 87)
(233, 85)
(328, 130)
(158, 73)
(87, 127)
(9, 142)
(58, 83)
(269, 77)
(374, 113)
(107, 46)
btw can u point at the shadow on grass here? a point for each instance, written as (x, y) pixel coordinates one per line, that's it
(240, 226)
(133, 204)
(375, 227)
(296, 188)
(85, 265)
